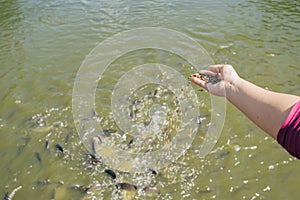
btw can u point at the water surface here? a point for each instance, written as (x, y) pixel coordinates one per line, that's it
(42, 45)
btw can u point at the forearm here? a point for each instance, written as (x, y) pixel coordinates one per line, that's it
(266, 109)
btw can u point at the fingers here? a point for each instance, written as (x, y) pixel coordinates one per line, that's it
(207, 72)
(216, 68)
(213, 70)
(199, 82)
(216, 89)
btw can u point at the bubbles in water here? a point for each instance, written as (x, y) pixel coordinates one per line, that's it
(154, 111)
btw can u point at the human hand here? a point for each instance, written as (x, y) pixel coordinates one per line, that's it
(226, 73)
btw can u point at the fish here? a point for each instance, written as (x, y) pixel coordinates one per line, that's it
(137, 101)
(42, 182)
(23, 145)
(10, 196)
(150, 190)
(42, 129)
(153, 171)
(130, 142)
(200, 119)
(38, 157)
(222, 154)
(95, 142)
(67, 138)
(155, 92)
(93, 159)
(108, 132)
(47, 145)
(111, 173)
(59, 147)
(126, 186)
(6, 196)
(80, 188)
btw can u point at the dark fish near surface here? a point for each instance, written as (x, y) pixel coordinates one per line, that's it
(23, 145)
(200, 119)
(111, 173)
(80, 188)
(153, 171)
(130, 142)
(10, 196)
(108, 132)
(137, 101)
(42, 182)
(6, 196)
(222, 154)
(93, 159)
(59, 147)
(92, 156)
(155, 92)
(38, 156)
(150, 190)
(95, 142)
(126, 186)
(47, 145)
(67, 138)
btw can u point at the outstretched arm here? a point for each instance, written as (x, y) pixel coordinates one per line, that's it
(265, 108)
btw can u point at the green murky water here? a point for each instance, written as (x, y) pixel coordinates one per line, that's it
(43, 44)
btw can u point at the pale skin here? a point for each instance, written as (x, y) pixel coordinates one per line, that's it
(265, 108)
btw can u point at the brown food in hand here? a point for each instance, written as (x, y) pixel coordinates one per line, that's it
(207, 77)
